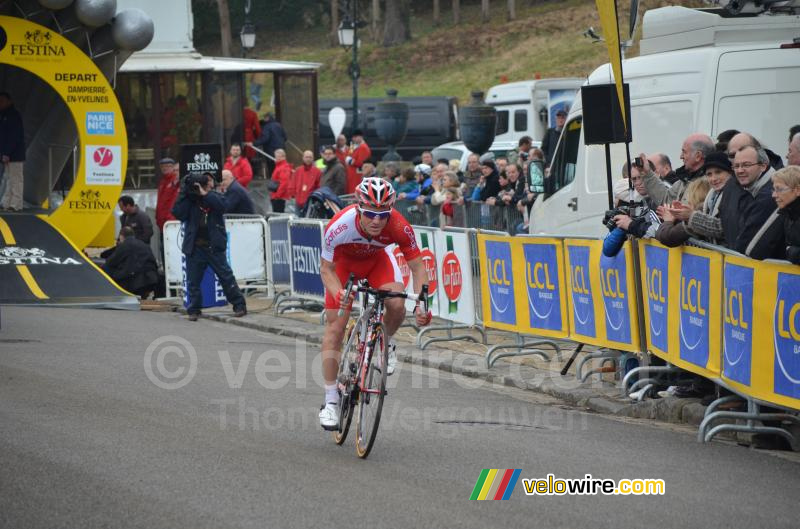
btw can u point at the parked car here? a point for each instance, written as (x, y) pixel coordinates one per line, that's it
(456, 150)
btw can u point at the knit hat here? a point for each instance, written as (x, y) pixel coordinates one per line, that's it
(489, 163)
(423, 168)
(622, 191)
(718, 159)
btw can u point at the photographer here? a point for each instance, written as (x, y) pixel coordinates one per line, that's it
(631, 216)
(205, 241)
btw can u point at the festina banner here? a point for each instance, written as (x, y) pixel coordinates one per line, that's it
(202, 158)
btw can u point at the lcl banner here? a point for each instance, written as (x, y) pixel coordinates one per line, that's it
(699, 312)
(656, 267)
(539, 265)
(762, 332)
(453, 260)
(603, 307)
(497, 282)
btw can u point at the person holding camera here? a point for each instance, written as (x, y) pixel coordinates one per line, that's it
(631, 216)
(205, 241)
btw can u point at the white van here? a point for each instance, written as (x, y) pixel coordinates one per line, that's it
(698, 72)
(528, 108)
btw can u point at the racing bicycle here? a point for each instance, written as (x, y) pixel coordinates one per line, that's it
(362, 367)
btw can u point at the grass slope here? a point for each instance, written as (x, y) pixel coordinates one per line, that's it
(546, 40)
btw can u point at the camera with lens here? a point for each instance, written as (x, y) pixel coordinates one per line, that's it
(192, 180)
(608, 217)
(523, 156)
(637, 162)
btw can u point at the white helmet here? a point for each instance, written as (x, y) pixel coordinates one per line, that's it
(375, 192)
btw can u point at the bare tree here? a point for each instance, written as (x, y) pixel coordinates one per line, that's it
(334, 37)
(376, 20)
(456, 12)
(397, 27)
(512, 10)
(436, 18)
(225, 27)
(484, 10)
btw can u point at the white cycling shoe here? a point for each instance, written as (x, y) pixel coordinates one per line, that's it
(392, 363)
(329, 416)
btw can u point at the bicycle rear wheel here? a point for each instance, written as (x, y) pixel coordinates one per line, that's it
(348, 390)
(370, 401)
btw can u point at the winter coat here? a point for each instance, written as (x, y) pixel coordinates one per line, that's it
(283, 175)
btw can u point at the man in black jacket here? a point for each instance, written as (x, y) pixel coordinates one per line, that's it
(135, 218)
(237, 197)
(205, 242)
(550, 138)
(132, 264)
(746, 201)
(334, 175)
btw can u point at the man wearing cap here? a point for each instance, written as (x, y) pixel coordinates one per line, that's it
(168, 188)
(359, 153)
(550, 139)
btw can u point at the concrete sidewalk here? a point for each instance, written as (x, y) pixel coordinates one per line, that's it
(600, 393)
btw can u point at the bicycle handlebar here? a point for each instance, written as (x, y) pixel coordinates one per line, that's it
(384, 294)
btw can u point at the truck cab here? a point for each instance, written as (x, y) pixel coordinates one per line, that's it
(698, 71)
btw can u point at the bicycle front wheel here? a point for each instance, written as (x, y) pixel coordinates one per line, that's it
(348, 391)
(373, 389)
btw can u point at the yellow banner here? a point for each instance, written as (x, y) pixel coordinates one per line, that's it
(103, 141)
(538, 265)
(762, 332)
(607, 9)
(603, 309)
(498, 282)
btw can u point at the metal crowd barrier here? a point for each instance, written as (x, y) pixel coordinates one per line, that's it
(474, 215)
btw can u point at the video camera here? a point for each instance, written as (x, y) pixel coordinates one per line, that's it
(192, 180)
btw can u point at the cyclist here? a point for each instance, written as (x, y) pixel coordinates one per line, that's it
(359, 239)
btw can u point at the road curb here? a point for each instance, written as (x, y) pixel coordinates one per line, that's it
(604, 400)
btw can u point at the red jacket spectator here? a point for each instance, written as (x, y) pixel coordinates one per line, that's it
(283, 175)
(306, 180)
(168, 189)
(358, 155)
(240, 168)
(252, 130)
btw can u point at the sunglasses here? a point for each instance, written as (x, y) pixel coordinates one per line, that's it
(380, 215)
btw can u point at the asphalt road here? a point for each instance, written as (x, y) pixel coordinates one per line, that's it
(90, 437)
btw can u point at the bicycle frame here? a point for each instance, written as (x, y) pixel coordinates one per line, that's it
(370, 314)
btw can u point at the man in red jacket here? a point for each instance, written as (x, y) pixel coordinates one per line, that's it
(359, 153)
(306, 180)
(239, 165)
(283, 176)
(168, 188)
(251, 131)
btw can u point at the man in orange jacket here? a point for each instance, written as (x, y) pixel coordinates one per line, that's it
(359, 153)
(283, 176)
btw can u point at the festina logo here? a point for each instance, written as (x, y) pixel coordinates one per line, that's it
(202, 162)
(306, 260)
(90, 199)
(14, 255)
(37, 43)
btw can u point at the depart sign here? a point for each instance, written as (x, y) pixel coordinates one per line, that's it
(102, 138)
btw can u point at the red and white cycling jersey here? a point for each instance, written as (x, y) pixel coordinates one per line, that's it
(344, 238)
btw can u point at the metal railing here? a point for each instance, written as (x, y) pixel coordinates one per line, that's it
(476, 215)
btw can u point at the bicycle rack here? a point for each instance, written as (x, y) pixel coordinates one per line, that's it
(663, 370)
(606, 356)
(450, 327)
(753, 414)
(522, 348)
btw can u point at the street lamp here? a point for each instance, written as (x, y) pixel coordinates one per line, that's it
(348, 38)
(248, 33)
